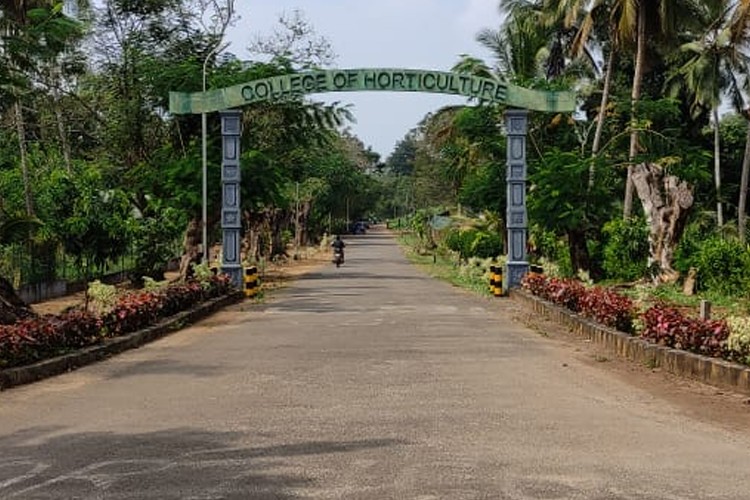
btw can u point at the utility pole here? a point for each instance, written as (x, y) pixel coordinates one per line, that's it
(297, 235)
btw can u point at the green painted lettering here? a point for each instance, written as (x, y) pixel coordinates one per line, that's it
(398, 81)
(453, 87)
(353, 78)
(308, 83)
(384, 80)
(465, 84)
(262, 90)
(369, 80)
(429, 81)
(295, 84)
(500, 93)
(442, 82)
(339, 80)
(476, 87)
(410, 77)
(488, 89)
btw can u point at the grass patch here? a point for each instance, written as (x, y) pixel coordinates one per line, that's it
(722, 305)
(442, 267)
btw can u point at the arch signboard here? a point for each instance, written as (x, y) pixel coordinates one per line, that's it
(373, 79)
(291, 86)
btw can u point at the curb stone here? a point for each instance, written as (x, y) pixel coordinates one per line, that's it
(716, 372)
(21, 375)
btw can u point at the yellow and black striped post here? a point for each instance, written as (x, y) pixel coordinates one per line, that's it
(252, 281)
(536, 270)
(496, 281)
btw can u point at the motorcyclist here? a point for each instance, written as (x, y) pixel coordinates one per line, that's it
(338, 246)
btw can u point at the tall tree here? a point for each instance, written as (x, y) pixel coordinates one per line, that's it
(644, 21)
(715, 67)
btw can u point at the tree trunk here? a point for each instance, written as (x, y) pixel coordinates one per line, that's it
(12, 308)
(602, 112)
(579, 251)
(635, 95)
(21, 131)
(191, 244)
(666, 203)
(251, 239)
(742, 205)
(64, 144)
(717, 168)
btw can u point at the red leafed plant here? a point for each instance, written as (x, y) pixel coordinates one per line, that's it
(43, 337)
(534, 283)
(565, 292)
(609, 308)
(667, 326)
(39, 338)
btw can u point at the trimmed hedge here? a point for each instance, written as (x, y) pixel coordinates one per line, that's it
(662, 324)
(36, 339)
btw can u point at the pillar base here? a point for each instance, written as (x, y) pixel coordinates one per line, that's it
(514, 273)
(235, 275)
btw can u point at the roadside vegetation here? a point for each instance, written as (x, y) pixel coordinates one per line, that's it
(642, 191)
(637, 203)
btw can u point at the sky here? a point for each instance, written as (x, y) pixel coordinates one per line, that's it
(417, 34)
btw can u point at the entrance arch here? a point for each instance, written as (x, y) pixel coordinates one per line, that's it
(291, 86)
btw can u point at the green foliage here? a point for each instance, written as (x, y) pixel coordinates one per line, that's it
(102, 297)
(90, 221)
(460, 241)
(626, 249)
(738, 342)
(155, 239)
(203, 274)
(473, 243)
(151, 285)
(560, 195)
(550, 249)
(486, 245)
(723, 266)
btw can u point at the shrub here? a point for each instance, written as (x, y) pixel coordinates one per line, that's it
(608, 308)
(151, 285)
(600, 304)
(547, 247)
(723, 266)
(626, 249)
(486, 245)
(666, 326)
(102, 297)
(461, 241)
(35, 339)
(738, 342)
(536, 284)
(565, 292)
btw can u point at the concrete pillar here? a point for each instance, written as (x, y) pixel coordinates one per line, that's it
(516, 125)
(231, 212)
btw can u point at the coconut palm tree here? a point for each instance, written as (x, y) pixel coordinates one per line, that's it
(739, 35)
(715, 66)
(639, 23)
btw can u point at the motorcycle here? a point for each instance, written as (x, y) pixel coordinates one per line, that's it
(338, 257)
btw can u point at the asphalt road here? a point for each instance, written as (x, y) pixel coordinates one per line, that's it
(367, 382)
